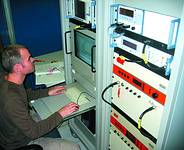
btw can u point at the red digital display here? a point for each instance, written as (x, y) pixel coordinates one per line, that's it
(126, 12)
(129, 135)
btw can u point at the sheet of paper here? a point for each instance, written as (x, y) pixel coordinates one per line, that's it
(50, 69)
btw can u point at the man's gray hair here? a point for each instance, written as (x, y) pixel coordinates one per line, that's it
(11, 56)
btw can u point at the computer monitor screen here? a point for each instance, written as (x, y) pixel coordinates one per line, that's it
(80, 9)
(83, 47)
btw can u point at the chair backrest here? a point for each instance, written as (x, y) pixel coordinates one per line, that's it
(27, 147)
(1, 43)
(30, 147)
(1, 49)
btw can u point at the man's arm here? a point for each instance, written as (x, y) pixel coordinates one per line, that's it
(35, 94)
(21, 118)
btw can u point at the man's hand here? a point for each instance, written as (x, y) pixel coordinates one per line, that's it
(68, 109)
(56, 90)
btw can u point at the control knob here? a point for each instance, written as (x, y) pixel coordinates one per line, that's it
(155, 95)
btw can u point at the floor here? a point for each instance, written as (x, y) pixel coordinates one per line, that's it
(65, 132)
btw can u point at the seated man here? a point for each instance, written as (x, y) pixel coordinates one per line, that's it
(17, 128)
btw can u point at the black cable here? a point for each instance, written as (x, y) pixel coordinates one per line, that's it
(133, 61)
(140, 119)
(152, 67)
(146, 111)
(149, 136)
(143, 53)
(103, 92)
(148, 64)
(77, 101)
(120, 27)
(146, 42)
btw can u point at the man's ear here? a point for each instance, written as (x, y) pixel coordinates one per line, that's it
(17, 68)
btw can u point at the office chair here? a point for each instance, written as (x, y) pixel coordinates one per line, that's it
(27, 147)
(30, 147)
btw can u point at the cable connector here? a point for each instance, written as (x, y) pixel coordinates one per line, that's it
(144, 58)
(143, 51)
(139, 123)
(141, 116)
(77, 27)
(120, 28)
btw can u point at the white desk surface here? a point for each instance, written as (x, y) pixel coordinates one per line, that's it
(48, 105)
(51, 60)
(54, 56)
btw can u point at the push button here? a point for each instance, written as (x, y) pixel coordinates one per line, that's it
(120, 60)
